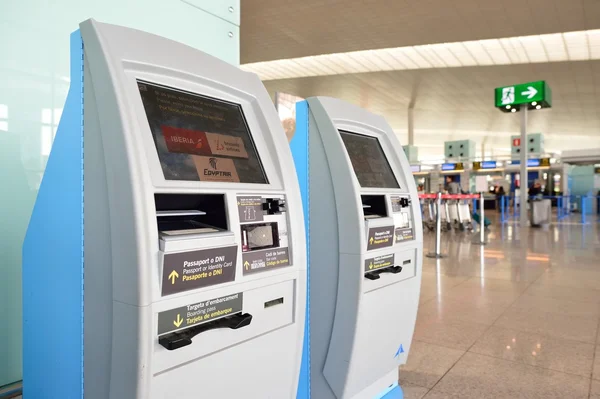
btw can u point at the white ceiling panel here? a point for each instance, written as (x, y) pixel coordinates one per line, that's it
(279, 29)
(457, 103)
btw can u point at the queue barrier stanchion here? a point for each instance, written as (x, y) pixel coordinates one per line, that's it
(502, 205)
(558, 208)
(481, 240)
(437, 254)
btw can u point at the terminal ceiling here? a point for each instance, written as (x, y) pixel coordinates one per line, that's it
(449, 103)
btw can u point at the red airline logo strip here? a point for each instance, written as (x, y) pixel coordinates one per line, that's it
(186, 141)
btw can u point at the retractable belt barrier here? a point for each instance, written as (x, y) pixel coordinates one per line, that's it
(448, 211)
(450, 196)
(565, 205)
(455, 211)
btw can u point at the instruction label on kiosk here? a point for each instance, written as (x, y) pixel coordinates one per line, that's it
(396, 203)
(404, 234)
(269, 259)
(250, 209)
(380, 237)
(379, 262)
(199, 312)
(185, 271)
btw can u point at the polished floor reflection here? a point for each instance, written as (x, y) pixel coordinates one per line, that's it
(517, 318)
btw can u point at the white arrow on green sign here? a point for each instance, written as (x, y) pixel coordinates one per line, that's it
(535, 94)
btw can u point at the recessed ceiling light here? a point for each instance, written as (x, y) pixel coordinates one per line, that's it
(534, 103)
(508, 107)
(513, 110)
(538, 106)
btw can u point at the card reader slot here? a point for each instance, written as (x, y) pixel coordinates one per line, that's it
(374, 275)
(274, 302)
(183, 338)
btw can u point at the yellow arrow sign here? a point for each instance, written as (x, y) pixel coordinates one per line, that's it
(246, 265)
(178, 321)
(371, 240)
(173, 276)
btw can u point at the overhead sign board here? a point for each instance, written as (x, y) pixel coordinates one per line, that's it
(452, 166)
(536, 94)
(484, 165)
(415, 168)
(534, 162)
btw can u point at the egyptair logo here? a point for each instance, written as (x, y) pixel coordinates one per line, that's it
(213, 163)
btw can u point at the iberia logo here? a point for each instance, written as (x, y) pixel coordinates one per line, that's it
(186, 141)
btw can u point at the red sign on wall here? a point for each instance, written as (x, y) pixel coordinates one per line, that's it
(516, 142)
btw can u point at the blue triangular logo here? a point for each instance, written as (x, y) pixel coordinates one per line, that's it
(399, 351)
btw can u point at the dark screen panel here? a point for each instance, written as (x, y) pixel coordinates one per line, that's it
(200, 138)
(369, 162)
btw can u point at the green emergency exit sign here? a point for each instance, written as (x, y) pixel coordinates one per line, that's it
(536, 95)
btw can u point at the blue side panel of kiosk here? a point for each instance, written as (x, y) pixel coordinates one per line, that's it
(393, 392)
(299, 147)
(53, 259)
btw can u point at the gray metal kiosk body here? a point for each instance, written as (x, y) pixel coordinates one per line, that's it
(195, 263)
(365, 251)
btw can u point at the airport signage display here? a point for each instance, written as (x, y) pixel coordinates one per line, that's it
(534, 162)
(537, 94)
(484, 165)
(452, 166)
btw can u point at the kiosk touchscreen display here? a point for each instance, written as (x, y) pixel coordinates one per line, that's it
(200, 138)
(368, 161)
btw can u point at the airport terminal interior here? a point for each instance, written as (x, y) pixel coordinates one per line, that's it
(384, 199)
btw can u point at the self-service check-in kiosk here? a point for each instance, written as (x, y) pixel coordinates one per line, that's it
(365, 249)
(194, 244)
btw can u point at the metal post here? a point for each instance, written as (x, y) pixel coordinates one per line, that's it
(583, 210)
(411, 124)
(523, 196)
(481, 221)
(559, 205)
(438, 229)
(502, 204)
(448, 221)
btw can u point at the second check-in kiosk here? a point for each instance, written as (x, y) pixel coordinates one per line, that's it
(365, 248)
(195, 258)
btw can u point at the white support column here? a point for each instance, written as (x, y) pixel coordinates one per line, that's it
(411, 124)
(523, 154)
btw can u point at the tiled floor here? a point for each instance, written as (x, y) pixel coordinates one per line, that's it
(518, 318)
